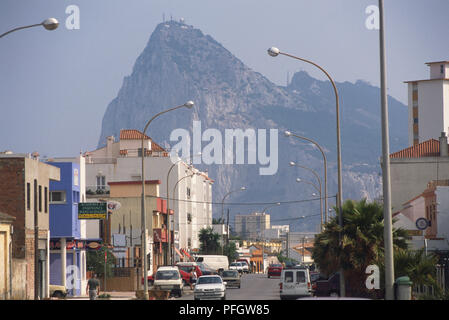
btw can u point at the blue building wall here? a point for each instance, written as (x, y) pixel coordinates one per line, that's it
(64, 221)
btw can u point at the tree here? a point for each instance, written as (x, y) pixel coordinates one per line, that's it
(230, 250)
(209, 241)
(95, 261)
(362, 243)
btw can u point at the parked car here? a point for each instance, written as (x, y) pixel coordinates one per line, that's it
(314, 277)
(216, 262)
(57, 291)
(206, 270)
(232, 278)
(245, 264)
(169, 278)
(187, 266)
(274, 270)
(238, 266)
(329, 287)
(295, 283)
(210, 287)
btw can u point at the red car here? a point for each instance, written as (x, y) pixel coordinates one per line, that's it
(275, 270)
(187, 266)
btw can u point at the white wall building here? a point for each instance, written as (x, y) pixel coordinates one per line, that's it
(252, 226)
(428, 104)
(121, 161)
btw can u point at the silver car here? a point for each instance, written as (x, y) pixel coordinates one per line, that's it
(210, 287)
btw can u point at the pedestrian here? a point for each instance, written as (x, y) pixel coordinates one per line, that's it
(193, 277)
(93, 287)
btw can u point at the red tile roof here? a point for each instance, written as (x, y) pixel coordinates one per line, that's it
(132, 134)
(429, 148)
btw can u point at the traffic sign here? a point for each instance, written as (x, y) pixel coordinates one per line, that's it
(422, 223)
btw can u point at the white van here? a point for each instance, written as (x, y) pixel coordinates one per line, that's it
(295, 283)
(219, 263)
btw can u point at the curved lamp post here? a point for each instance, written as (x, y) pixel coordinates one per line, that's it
(290, 134)
(188, 105)
(271, 206)
(274, 52)
(294, 164)
(48, 24)
(222, 211)
(318, 189)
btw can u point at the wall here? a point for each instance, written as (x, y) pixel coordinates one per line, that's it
(409, 177)
(5, 229)
(430, 110)
(442, 199)
(19, 286)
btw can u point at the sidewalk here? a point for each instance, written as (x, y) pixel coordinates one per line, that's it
(115, 295)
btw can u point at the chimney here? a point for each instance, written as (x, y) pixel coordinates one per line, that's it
(443, 145)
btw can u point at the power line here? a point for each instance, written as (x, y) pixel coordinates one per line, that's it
(242, 203)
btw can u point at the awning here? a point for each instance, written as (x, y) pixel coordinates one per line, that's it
(179, 253)
(188, 255)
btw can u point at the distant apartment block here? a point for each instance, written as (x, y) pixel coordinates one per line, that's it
(252, 226)
(428, 103)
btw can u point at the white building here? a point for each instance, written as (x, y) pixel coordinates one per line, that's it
(121, 161)
(428, 103)
(276, 232)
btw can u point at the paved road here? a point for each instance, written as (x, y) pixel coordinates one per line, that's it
(254, 287)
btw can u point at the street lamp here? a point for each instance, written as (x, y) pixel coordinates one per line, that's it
(168, 198)
(293, 164)
(274, 52)
(48, 24)
(290, 134)
(271, 206)
(222, 212)
(188, 105)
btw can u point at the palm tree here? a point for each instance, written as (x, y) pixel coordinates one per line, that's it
(361, 243)
(209, 241)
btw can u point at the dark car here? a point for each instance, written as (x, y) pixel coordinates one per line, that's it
(329, 287)
(274, 270)
(206, 270)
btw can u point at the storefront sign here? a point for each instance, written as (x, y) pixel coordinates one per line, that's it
(92, 210)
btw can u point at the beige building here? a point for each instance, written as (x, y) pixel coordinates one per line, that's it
(126, 223)
(413, 167)
(6, 231)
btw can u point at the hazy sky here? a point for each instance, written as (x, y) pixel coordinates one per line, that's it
(55, 86)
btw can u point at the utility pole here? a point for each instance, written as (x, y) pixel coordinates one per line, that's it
(36, 245)
(227, 229)
(388, 232)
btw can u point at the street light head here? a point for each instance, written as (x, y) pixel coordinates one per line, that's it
(189, 104)
(243, 188)
(292, 163)
(298, 180)
(50, 24)
(278, 204)
(273, 51)
(287, 133)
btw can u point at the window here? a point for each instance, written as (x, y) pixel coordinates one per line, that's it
(300, 277)
(28, 196)
(57, 197)
(415, 120)
(46, 199)
(101, 182)
(188, 192)
(288, 277)
(189, 218)
(442, 69)
(40, 198)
